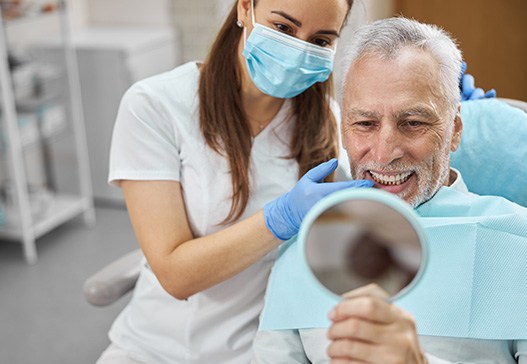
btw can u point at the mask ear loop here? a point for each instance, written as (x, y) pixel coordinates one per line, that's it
(253, 21)
(252, 13)
(244, 36)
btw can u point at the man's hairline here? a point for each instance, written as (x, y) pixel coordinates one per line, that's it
(451, 108)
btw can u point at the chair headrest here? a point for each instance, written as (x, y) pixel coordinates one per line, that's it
(492, 156)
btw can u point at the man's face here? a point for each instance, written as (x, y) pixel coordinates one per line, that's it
(396, 127)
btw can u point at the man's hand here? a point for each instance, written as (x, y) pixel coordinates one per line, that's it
(367, 328)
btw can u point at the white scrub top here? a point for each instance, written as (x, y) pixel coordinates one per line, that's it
(157, 137)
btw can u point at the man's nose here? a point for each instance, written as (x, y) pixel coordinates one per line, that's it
(389, 146)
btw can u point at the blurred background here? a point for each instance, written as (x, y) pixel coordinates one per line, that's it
(64, 66)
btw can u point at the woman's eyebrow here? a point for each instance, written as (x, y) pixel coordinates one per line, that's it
(296, 22)
(329, 32)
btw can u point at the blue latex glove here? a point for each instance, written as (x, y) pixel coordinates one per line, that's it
(284, 214)
(468, 89)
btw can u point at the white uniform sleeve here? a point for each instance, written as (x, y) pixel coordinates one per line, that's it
(435, 360)
(278, 347)
(144, 141)
(315, 343)
(521, 351)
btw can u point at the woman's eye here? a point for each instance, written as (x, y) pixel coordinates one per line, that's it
(321, 42)
(283, 28)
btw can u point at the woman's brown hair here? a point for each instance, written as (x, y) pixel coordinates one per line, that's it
(224, 124)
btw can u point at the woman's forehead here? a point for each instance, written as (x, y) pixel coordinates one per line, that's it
(311, 13)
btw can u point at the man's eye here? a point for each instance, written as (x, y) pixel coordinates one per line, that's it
(414, 123)
(364, 124)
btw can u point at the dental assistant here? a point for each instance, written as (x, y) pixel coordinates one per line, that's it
(205, 155)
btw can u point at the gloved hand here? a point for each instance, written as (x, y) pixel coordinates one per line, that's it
(468, 88)
(284, 214)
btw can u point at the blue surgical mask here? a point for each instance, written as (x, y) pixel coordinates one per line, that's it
(284, 66)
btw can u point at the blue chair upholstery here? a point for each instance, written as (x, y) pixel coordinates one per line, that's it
(492, 156)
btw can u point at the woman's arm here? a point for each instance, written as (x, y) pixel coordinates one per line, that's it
(182, 264)
(185, 265)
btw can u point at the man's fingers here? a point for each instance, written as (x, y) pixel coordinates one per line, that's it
(346, 361)
(357, 329)
(368, 290)
(368, 308)
(351, 351)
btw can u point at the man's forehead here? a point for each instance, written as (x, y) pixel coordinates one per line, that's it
(406, 65)
(404, 84)
(376, 112)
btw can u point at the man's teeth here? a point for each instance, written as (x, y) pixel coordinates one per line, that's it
(390, 180)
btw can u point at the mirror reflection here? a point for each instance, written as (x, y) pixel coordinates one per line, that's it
(362, 241)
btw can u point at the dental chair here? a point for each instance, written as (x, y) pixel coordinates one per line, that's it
(491, 159)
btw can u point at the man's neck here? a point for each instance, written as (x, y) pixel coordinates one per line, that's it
(451, 177)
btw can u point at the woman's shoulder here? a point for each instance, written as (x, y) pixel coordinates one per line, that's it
(180, 83)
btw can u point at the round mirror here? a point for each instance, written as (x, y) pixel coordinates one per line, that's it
(366, 236)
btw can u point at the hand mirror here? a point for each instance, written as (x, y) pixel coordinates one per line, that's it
(362, 236)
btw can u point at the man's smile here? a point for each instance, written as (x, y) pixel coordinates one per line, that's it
(394, 182)
(390, 179)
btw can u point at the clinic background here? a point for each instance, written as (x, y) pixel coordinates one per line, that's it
(43, 315)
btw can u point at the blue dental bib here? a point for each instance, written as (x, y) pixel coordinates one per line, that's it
(474, 285)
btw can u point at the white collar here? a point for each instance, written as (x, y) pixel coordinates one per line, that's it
(458, 184)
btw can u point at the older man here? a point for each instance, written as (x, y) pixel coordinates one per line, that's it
(400, 121)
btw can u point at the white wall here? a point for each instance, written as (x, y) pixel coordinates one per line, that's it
(25, 31)
(196, 20)
(130, 12)
(379, 9)
(78, 13)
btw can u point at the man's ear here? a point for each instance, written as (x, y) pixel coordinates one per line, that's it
(244, 12)
(458, 129)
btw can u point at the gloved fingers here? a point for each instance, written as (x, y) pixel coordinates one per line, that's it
(477, 94)
(490, 94)
(318, 173)
(463, 68)
(330, 187)
(467, 86)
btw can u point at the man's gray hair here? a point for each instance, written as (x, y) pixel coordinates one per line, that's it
(387, 37)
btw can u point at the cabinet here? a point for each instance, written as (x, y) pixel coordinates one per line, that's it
(36, 118)
(110, 60)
